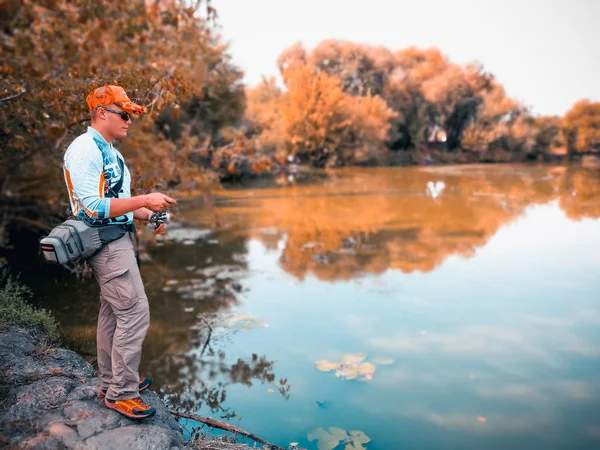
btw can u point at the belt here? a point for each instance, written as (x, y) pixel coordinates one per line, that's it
(102, 222)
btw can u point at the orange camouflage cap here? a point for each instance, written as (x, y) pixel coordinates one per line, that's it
(106, 95)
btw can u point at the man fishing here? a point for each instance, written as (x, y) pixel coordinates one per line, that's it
(99, 187)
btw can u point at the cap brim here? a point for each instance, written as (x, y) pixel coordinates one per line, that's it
(132, 108)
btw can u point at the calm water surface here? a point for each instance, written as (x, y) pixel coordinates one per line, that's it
(364, 309)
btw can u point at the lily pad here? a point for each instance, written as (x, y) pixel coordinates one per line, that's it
(330, 439)
(326, 366)
(356, 440)
(354, 357)
(362, 371)
(327, 440)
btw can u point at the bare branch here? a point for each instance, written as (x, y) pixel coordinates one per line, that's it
(45, 79)
(208, 337)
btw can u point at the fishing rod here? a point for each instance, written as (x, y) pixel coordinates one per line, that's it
(391, 192)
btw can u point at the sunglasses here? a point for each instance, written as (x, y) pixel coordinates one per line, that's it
(124, 115)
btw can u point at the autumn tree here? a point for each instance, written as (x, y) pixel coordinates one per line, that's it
(55, 51)
(581, 127)
(316, 120)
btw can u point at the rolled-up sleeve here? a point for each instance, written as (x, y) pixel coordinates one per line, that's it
(84, 175)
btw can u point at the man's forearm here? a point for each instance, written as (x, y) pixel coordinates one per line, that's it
(142, 214)
(120, 206)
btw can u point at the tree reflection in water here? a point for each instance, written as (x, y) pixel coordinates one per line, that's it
(367, 221)
(194, 372)
(203, 380)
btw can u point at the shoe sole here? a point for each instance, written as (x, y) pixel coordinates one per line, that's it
(131, 416)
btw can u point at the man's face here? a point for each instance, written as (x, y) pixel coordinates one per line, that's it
(115, 124)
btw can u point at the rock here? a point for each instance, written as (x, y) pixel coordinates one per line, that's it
(53, 402)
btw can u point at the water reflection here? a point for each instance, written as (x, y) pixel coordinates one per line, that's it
(344, 297)
(370, 221)
(192, 289)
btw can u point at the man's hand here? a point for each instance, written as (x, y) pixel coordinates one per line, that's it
(161, 229)
(157, 201)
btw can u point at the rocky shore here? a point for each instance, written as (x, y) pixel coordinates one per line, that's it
(49, 400)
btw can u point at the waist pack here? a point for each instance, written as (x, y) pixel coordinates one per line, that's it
(75, 240)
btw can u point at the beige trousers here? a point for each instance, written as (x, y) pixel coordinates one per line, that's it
(123, 319)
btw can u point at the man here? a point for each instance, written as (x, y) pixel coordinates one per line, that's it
(93, 171)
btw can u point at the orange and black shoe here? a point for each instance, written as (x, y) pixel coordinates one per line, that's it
(134, 408)
(144, 383)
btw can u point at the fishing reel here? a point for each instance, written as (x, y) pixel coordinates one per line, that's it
(158, 218)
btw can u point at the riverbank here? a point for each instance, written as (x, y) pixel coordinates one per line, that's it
(50, 400)
(49, 394)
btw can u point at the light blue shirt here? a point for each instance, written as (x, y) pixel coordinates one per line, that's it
(89, 175)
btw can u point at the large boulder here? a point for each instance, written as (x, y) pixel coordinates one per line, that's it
(50, 400)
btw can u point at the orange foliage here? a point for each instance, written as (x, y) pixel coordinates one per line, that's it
(237, 157)
(54, 52)
(336, 236)
(581, 127)
(438, 105)
(316, 120)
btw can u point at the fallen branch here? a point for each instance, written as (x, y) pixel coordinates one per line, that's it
(225, 426)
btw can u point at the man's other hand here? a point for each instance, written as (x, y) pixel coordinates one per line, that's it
(161, 229)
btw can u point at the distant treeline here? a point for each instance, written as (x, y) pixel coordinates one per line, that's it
(347, 103)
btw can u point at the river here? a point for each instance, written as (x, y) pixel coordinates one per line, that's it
(380, 308)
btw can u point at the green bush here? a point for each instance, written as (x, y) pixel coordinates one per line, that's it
(15, 311)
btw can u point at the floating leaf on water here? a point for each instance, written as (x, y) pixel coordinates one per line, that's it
(482, 419)
(347, 372)
(362, 371)
(366, 368)
(356, 439)
(354, 357)
(383, 361)
(327, 440)
(326, 366)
